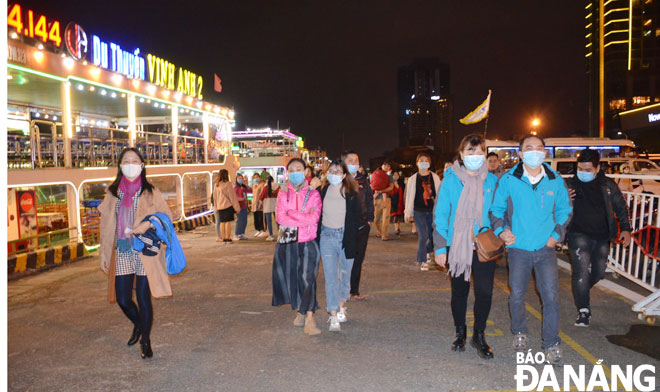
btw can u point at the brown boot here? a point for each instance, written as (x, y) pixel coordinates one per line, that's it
(311, 328)
(300, 320)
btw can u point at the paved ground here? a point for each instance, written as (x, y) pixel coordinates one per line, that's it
(220, 333)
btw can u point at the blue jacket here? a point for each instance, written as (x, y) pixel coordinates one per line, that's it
(447, 203)
(535, 215)
(165, 232)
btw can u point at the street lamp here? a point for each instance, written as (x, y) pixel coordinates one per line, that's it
(535, 124)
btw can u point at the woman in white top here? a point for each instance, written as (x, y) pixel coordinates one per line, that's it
(268, 199)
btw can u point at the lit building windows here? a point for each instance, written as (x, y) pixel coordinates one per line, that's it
(618, 104)
(640, 101)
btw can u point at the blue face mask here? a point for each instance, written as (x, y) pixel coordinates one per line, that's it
(334, 179)
(239, 181)
(353, 168)
(296, 178)
(534, 158)
(423, 165)
(474, 162)
(256, 180)
(585, 176)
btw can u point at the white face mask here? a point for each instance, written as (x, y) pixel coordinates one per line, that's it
(131, 170)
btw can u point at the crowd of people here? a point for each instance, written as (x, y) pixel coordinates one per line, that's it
(327, 218)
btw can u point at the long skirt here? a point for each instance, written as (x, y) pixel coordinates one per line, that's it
(295, 267)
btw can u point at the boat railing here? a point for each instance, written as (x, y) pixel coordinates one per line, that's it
(43, 240)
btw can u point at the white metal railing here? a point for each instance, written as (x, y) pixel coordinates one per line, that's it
(639, 262)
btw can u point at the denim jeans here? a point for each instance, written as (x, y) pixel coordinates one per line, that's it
(336, 268)
(269, 222)
(241, 221)
(424, 222)
(544, 264)
(589, 261)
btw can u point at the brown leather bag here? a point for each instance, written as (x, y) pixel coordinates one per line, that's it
(488, 245)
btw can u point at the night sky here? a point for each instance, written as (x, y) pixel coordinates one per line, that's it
(327, 67)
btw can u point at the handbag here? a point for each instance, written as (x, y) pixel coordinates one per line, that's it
(289, 234)
(488, 245)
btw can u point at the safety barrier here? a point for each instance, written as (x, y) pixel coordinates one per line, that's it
(192, 223)
(640, 261)
(42, 259)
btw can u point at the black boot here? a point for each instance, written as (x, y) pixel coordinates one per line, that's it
(135, 336)
(479, 343)
(146, 349)
(461, 335)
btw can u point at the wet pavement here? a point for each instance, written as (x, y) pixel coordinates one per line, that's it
(220, 333)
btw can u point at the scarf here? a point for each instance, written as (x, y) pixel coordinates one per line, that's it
(126, 214)
(468, 213)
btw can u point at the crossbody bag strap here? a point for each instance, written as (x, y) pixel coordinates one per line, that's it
(306, 199)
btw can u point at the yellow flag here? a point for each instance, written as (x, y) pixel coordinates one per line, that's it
(479, 113)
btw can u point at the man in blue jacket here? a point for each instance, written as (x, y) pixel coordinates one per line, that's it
(534, 200)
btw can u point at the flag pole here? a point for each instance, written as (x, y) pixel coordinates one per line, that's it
(486, 126)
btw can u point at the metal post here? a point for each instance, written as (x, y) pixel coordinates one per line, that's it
(205, 132)
(67, 122)
(132, 129)
(175, 134)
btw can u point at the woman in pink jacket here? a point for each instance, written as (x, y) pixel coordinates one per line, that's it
(296, 261)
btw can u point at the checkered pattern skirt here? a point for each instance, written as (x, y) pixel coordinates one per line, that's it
(128, 263)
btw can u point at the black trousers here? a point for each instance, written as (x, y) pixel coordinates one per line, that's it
(360, 251)
(483, 275)
(124, 294)
(259, 220)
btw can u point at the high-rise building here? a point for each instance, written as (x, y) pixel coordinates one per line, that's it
(425, 107)
(622, 39)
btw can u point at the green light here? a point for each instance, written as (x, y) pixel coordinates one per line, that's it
(32, 71)
(92, 248)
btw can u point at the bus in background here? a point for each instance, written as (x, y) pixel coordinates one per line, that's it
(563, 148)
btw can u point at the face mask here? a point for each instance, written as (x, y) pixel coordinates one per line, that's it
(473, 162)
(423, 165)
(533, 159)
(131, 170)
(585, 176)
(239, 182)
(334, 179)
(256, 180)
(353, 168)
(296, 178)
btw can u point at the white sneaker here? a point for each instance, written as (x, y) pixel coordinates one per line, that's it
(424, 266)
(257, 234)
(270, 238)
(341, 315)
(236, 238)
(334, 324)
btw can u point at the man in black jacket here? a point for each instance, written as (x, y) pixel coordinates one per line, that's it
(366, 197)
(597, 206)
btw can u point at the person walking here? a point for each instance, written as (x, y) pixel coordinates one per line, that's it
(258, 206)
(241, 217)
(421, 192)
(225, 205)
(464, 200)
(296, 260)
(268, 198)
(382, 183)
(337, 232)
(366, 198)
(530, 213)
(397, 203)
(597, 207)
(128, 200)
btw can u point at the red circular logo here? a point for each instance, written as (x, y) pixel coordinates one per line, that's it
(26, 202)
(76, 41)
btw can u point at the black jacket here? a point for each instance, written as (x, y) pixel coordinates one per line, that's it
(615, 204)
(351, 222)
(366, 200)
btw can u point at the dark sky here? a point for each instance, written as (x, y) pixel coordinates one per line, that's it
(327, 67)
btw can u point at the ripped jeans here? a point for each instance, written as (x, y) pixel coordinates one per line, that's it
(336, 268)
(589, 261)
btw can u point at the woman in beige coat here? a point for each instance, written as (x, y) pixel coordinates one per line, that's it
(128, 200)
(225, 204)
